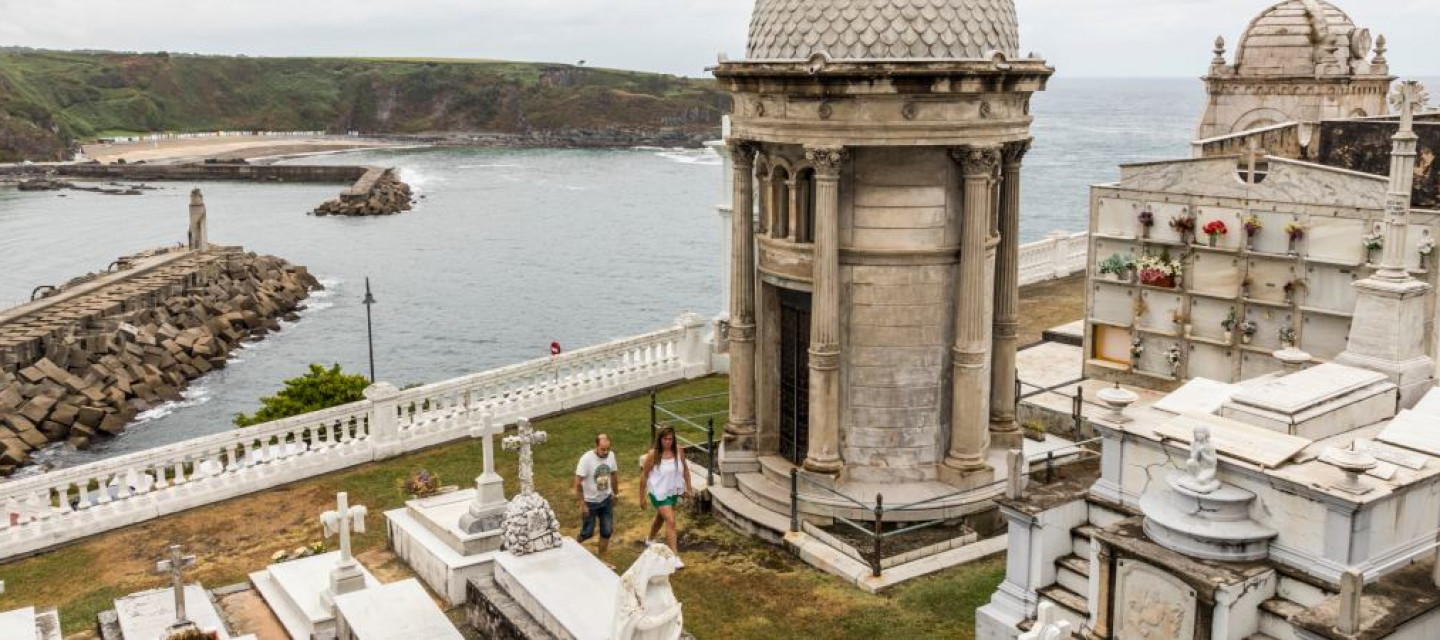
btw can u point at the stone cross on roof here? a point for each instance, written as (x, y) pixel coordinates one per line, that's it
(523, 442)
(1410, 97)
(175, 565)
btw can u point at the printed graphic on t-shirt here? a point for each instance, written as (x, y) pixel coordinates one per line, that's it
(602, 478)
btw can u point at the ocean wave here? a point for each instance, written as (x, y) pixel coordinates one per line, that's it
(488, 166)
(192, 396)
(418, 181)
(701, 157)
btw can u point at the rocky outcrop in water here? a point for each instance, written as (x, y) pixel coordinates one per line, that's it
(380, 192)
(84, 368)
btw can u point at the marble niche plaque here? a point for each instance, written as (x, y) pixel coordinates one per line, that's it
(1152, 604)
(1336, 240)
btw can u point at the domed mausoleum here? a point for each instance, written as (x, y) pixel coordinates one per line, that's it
(1299, 61)
(878, 144)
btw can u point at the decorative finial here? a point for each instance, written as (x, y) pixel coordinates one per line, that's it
(1219, 51)
(1380, 50)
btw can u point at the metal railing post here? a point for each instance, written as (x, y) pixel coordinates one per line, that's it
(652, 415)
(879, 534)
(794, 500)
(1019, 390)
(1049, 467)
(710, 452)
(1079, 411)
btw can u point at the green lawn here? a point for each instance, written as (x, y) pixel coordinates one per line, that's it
(734, 587)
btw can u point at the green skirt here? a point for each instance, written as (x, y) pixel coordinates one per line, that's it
(668, 502)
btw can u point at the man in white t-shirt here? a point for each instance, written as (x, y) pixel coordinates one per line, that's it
(597, 485)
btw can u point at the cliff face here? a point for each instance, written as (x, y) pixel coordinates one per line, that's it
(48, 100)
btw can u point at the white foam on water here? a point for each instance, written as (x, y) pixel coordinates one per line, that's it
(192, 396)
(418, 181)
(488, 166)
(702, 157)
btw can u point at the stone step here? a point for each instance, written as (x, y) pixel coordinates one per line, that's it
(764, 493)
(1080, 539)
(1275, 615)
(1073, 573)
(1260, 636)
(1102, 516)
(777, 470)
(1070, 606)
(750, 517)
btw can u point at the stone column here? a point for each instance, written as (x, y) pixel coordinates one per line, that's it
(1004, 430)
(970, 394)
(199, 237)
(740, 430)
(824, 444)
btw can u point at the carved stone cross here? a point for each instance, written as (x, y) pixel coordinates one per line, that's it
(523, 442)
(175, 565)
(341, 521)
(1410, 97)
(1048, 625)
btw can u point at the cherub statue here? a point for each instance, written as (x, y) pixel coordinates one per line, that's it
(645, 607)
(1203, 465)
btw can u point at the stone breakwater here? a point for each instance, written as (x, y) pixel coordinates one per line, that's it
(83, 362)
(379, 192)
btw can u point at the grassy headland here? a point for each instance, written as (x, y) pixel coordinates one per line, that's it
(51, 99)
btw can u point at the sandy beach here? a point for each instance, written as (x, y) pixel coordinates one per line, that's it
(186, 150)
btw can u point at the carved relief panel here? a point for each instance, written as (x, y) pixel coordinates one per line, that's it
(1152, 605)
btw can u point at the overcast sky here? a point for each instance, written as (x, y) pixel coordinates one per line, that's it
(1080, 37)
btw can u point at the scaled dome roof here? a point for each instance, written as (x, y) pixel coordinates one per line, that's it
(883, 29)
(1292, 37)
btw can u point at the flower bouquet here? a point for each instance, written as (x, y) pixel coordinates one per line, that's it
(1291, 288)
(1373, 242)
(1426, 249)
(1118, 266)
(1248, 329)
(1172, 356)
(1287, 337)
(1137, 349)
(1146, 217)
(1159, 271)
(1228, 324)
(1253, 226)
(1215, 229)
(1184, 224)
(1296, 232)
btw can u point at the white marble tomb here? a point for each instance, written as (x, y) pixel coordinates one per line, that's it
(396, 611)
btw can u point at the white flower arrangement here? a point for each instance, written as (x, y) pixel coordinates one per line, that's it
(1427, 247)
(1373, 241)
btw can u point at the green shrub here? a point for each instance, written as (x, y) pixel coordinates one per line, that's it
(321, 388)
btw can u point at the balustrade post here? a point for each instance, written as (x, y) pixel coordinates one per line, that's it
(693, 353)
(384, 424)
(1060, 252)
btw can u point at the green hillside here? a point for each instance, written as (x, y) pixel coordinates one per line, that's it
(49, 100)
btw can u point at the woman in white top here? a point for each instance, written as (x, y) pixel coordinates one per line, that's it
(665, 478)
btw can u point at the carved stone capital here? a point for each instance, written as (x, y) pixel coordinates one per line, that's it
(1007, 330)
(742, 152)
(824, 357)
(827, 160)
(977, 161)
(742, 332)
(1014, 153)
(968, 359)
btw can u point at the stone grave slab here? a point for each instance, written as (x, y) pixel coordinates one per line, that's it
(1414, 431)
(1299, 391)
(566, 589)
(293, 591)
(148, 614)
(30, 624)
(396, 611)
(1316, 403)
(436, 560)
(1199, 395)
(1236, 439)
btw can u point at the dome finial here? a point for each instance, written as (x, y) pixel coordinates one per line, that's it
(1380, 51)
(1219, 51)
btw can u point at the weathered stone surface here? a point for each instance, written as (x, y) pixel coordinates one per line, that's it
(379, 192)
(88, 364)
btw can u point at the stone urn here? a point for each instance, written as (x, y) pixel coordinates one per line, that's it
(1117, 400)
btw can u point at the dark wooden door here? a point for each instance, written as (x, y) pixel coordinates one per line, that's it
(794, 375)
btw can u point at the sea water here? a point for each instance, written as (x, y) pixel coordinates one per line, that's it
(507, 249)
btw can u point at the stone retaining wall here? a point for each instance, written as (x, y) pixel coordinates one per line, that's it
(85, 361)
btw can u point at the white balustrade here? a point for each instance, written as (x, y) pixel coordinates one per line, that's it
(1059, 255)
(59, 506)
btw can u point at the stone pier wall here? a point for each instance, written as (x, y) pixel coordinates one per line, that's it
(83, 362)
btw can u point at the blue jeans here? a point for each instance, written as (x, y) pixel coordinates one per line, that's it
(604, 511)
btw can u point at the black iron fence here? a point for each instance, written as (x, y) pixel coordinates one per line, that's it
(874, 533)
(693, 418)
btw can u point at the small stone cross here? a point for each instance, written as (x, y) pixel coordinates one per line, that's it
(1409, 98)
(341, 521)
(175, 565)
(523, 442)
(1048, 625)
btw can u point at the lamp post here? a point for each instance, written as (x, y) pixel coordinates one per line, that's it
(369, 331)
